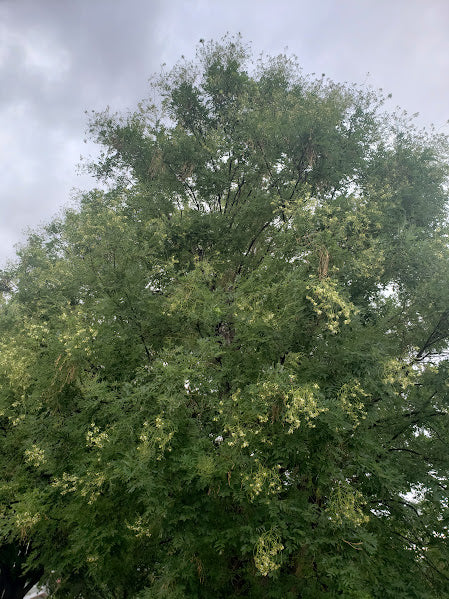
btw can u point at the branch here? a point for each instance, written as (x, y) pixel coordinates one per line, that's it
(251, 245)
(422, 554)
(433, 337)
(408, 450)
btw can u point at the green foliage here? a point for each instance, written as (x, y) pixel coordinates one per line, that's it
(226, 376)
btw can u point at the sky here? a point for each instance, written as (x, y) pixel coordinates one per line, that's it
(59, 58)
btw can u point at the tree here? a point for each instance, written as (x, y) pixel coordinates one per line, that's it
(226, 375)
(15, 579)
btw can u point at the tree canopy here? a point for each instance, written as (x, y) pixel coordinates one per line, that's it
(224, 373)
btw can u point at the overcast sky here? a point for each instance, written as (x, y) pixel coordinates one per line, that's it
(61, 57)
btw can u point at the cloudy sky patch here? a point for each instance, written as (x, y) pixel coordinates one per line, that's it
(59, 58)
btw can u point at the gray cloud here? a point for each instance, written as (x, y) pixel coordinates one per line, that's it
(58, 58)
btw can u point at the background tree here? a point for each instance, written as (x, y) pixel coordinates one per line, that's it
(226, 375)
(15, 578)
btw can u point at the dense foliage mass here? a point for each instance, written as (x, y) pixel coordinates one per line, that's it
(225, 376)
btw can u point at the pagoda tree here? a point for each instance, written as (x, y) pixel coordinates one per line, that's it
(224, 373)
